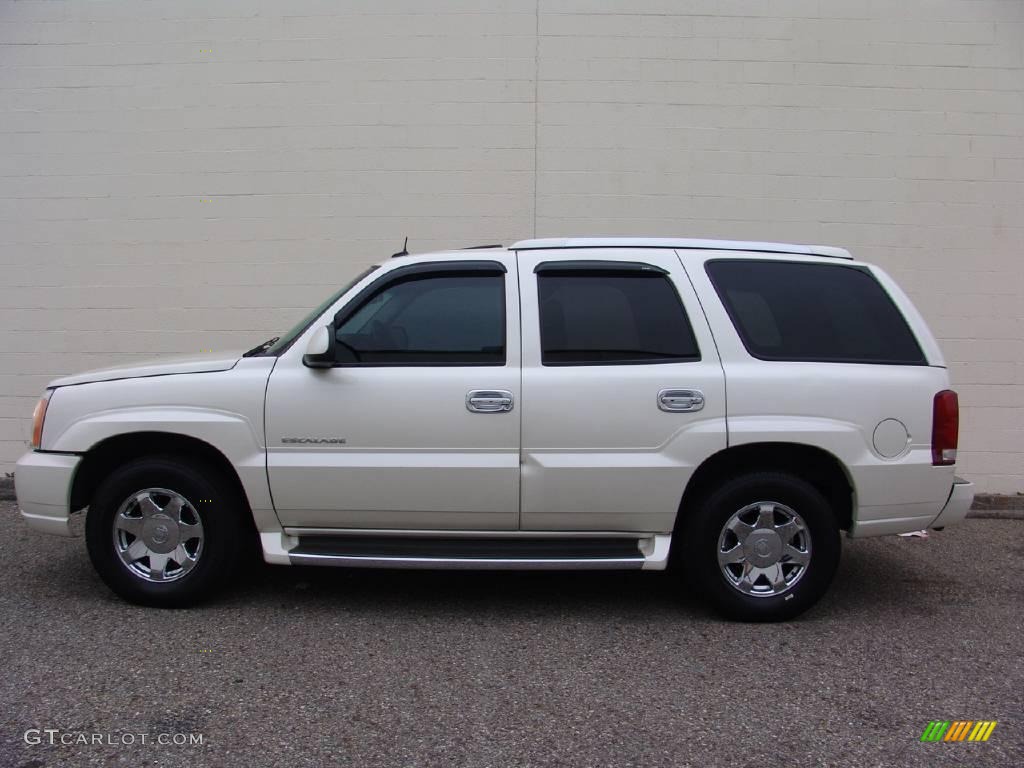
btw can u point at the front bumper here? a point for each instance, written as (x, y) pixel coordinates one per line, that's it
(960, 499)
(42, 483)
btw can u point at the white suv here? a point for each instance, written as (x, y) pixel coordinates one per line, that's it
(724, 407)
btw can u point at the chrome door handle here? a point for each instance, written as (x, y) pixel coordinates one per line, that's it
(680, 400)
(489, 401)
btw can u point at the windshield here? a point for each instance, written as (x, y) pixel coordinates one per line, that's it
(286, 339)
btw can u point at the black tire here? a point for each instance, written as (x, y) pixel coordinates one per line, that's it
(699, 533)
(212, 500)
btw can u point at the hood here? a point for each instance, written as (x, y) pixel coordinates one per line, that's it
(217, 361)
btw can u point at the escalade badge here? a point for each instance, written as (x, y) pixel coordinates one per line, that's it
(314, 440)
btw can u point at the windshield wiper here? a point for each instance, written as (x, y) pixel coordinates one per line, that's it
(262, 347)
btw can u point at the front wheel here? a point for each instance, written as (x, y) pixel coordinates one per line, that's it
(763, 547)
(163, 532)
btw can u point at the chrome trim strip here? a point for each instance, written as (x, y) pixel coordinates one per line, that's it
(438, 533)
(469, 563)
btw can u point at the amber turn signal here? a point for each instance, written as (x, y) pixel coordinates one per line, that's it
(37, 420)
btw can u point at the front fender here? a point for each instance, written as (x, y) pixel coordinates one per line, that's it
(231, 433)
(222, 409)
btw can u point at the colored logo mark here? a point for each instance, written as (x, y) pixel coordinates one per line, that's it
(958, 730)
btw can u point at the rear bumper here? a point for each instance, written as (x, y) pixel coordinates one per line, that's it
(42, 483)
(960, 499)
(907, 517)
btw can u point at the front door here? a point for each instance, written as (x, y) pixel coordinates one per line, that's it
(417, 425)
(623, 390)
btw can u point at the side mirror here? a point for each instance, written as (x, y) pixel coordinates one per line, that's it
(320, 349)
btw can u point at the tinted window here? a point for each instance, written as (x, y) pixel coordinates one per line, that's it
(601, 318)
(813, 312)
(428, 320)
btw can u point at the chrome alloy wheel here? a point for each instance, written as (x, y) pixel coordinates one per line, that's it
(764, 549)
(158, 535)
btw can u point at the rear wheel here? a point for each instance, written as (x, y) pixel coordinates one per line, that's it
(763, 547)
(163, 532)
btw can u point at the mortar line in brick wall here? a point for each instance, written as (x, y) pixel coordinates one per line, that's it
(536, 101)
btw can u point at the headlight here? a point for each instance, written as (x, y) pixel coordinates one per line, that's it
(38, 415)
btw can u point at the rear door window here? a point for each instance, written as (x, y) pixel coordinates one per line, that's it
(810, 312)
(611, 315)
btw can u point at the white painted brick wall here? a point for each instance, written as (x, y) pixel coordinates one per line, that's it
(321, 132)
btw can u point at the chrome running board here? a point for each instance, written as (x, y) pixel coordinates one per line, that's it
(484, 551)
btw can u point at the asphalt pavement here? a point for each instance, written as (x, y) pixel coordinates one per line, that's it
(332, 667)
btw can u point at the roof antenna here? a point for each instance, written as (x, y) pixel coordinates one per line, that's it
(404, 251)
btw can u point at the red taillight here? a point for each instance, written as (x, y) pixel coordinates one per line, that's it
(945, 427)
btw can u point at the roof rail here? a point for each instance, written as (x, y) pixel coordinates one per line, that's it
(552, 243)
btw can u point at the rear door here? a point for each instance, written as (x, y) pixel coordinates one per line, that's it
(623, 390)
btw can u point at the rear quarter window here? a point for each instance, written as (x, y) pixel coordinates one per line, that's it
(810, 312)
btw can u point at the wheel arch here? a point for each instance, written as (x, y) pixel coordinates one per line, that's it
(105, 456)
(817, 466)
